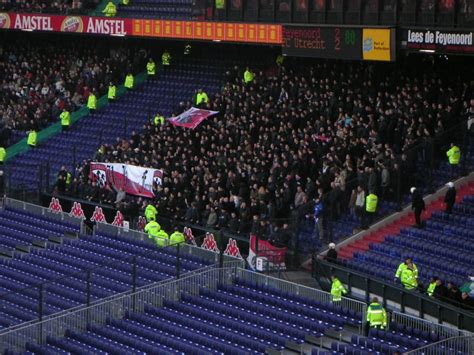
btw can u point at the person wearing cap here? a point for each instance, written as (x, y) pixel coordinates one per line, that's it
(331, 255)
(417, 205)
(450, 197)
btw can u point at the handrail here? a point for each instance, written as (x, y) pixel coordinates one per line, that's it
(460, 345)
(422, 303)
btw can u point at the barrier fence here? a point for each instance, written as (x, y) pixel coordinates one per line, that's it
(455, 346)
(424, 325)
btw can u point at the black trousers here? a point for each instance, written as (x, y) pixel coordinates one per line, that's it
(449, 207)
(418, 216)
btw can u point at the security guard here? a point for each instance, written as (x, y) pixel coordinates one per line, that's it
(152, 228)
(92, 102)
(3, 155)
(376, 315)
(280, 60)
(337, 289)
(65, 117)
(408, 278)
(166, 58)
(151, 68)
(125, 2)
(68, 180)
(187, 49)
(248, 76)
(32, 138)
(150, 213)
(220, 4)
(403, 266)
(201, 98)
(162, 238)
(158, 120)
(370, 208)
(110, 9)
(129, 81)
(112, 92)
(431, 287)
(177, 237)
(454, 156)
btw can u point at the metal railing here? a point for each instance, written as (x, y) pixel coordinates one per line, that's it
(98, 314)
(463, 345)
(39, 210)
(290, 287)
(426, 326)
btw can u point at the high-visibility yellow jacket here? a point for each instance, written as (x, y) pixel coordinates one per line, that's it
(159, 119)
(371, 203)
(337, 290)
(201, 97)
(454, 155)
(3, 154)
(177, 238)
(376, 315)
(166, 58)
(162, 238)
(112, 92)
(431, 288)
(403, 267)
(248, 76)
(65, 117)
(152, 228)
(110, 9)
(129, 80)
(150, 68)
(92, 102)
(150, 213)
(408, 279)
(32, 138)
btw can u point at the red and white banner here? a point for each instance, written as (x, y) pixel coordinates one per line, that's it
(191, 118)
(275, 256)
(134, 180)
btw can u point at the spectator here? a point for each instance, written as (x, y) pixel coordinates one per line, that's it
(331, 255)
(450, 197)
(454, 295)
(467, 301)
(441, 291)
(417, 205)
(318, 130)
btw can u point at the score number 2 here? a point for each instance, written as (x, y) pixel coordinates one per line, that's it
(349, 38)
(337, 39)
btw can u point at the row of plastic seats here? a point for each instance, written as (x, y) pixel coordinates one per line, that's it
(329, 320)
(300, 321)
(349, 316)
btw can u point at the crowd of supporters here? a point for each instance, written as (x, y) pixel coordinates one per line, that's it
(49, 6)
(38, 79)
(296, 134)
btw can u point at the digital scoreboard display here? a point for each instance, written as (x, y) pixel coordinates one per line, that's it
(322, 42)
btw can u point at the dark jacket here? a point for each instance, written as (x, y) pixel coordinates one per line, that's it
(417, 202)
(450, 196)
(331, 255)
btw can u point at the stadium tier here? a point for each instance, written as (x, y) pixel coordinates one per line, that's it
(158, 9)
(246, 313)
(67, 272)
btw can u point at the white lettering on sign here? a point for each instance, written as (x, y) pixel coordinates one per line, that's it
(106, 26)
(29, 22)
(442, 38)
(458, 39)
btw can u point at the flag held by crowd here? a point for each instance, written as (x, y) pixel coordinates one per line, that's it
(191, 118)
(134, 180)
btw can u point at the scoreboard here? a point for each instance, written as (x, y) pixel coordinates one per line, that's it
(323, 42)
(339, 42)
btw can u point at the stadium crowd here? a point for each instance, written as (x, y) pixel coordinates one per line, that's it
(39, 79)
(292, 137)
(49, 6)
